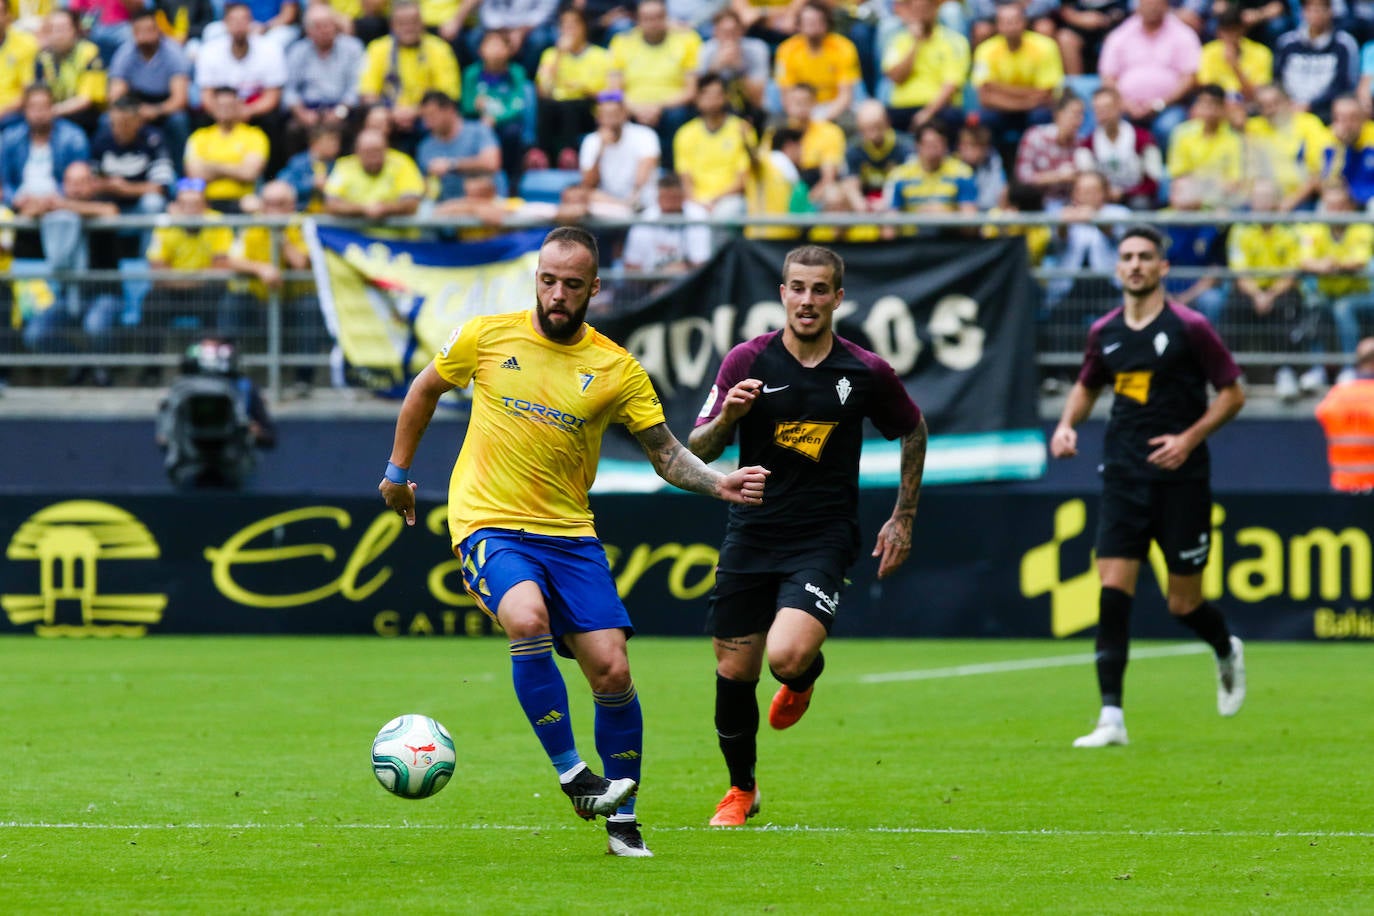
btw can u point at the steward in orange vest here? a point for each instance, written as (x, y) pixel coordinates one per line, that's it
(1347, 415)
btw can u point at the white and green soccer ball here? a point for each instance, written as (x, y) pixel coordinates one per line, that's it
(413, 756)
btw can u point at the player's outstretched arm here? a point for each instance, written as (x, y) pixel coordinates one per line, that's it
(894, 538)
(675, 464)
(708, 440)
(1077, 406)
(416, 412)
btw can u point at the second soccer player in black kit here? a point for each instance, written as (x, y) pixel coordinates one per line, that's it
(798, 396)
(1158, 357)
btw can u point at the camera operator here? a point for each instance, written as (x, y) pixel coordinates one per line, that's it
(213, 420)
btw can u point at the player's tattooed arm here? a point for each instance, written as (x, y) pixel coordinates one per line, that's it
(708, 441)
(912, 470)
(675, 464)
(894, 538)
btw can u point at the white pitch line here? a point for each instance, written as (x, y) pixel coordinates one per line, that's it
(1026, 664)
(774, 828)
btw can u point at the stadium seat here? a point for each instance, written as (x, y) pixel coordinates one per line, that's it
(546, 185)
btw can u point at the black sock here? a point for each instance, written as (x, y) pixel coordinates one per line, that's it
(802, 682)
(737, 728)
(1209, 624)
(1113, 643)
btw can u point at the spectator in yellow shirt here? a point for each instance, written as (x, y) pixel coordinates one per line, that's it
(1285, 146)
(229, 156)
(823, 144)
(712, 152)
(1233, 62)
(375, 182)
(18, 51)
(654, 65)
(816, 55)
(1339, 257)
(1206, 149)
(571, 75)
(1269, 306)
(186, 250)
(1017, 73)
(245, 308)
(71, 67)
(928, 65)
(401, 67)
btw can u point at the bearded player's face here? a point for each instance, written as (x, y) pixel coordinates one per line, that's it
(1140, 266)
(564, 283)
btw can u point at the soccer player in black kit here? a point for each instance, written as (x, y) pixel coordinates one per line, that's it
(798, 396)
(1158, 357)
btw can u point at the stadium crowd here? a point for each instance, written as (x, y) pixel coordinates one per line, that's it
(1089, 109)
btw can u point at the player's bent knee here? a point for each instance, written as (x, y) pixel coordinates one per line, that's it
(608, 676)
(523, 621)
(1182, 605)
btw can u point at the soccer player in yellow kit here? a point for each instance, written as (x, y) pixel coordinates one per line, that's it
(546, 386)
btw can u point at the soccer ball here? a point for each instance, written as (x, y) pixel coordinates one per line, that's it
(413, 756)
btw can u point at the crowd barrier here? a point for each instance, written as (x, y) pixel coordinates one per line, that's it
(119, 326)
(984, 562)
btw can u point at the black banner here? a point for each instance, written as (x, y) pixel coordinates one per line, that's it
(985, 562)
(954, 318)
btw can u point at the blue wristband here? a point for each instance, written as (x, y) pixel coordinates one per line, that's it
(396, 475)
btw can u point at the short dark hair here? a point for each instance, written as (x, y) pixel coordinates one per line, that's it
(438, 97)
(824, 10)
(785, 135)
(125, 102)
(670, 180)
(927, 128)
(225, 90)
(710, 78)
(1212, 91)
(146, 13)
(1067, 98)
(1149, 234)
(816, 256)
(1026, 198)
(574, 11)
(1230, 18)
(233, 3)
(574, 235)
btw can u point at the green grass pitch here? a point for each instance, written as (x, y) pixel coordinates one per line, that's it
(174, 775)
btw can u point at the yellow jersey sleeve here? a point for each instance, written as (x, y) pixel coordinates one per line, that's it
(639, 407)
(456, 361)
(372, 78)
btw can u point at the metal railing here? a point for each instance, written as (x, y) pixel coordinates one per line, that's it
(284, 332)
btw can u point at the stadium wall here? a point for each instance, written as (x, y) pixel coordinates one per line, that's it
(987, 561)
(342, 456)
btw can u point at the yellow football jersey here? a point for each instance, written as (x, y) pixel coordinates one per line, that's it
(539, 410)
(1253, 246)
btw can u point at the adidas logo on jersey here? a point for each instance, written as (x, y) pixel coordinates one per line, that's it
(511, 364)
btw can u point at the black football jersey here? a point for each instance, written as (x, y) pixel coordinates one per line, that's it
(1159, 376)
(806, 426)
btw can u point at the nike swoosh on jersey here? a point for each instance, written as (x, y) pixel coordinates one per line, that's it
(1109, 348)
(767, 390)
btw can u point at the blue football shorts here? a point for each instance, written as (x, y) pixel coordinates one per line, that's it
(571, 572)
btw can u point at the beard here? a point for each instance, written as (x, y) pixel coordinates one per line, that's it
(565, 330)
(1142, 289)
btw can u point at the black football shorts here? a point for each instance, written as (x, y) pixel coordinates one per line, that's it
(1175, 513)
(752, 585)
